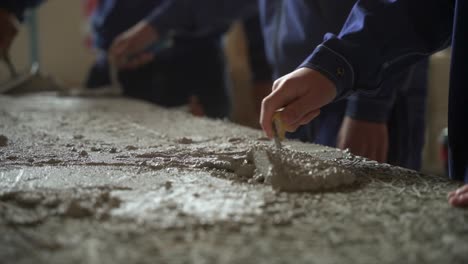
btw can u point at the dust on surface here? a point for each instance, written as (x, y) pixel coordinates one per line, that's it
(158, 186)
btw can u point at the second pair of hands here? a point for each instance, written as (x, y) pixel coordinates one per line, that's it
(130, 44)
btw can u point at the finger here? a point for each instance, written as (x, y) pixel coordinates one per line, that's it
(138, 61)
(310, 116)
(463, 189)
(120, 51)
(451, 194)
(459, 200)
(277, 83)
(296, 111)
(454, 195)
(266, 114)
(305, 120)
(270, 104)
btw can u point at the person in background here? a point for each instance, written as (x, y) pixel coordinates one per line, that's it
(11, 12)
(192, 71)
(380, 39)
(262, 75)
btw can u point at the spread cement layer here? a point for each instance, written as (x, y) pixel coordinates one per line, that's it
(119, 181)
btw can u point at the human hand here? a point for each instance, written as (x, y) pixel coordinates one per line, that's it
(301, 93)
(363, 138)
(459, 198)
(8, 30)
(130, 45)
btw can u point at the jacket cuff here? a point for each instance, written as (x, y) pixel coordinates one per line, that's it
(361, 107)
(334, 66)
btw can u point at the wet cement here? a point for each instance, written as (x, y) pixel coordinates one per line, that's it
(119, 181)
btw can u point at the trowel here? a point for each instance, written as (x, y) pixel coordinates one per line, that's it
(261, 156)
(279, 130)
(293, 171)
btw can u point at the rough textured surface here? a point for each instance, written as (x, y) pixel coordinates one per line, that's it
(118, 181)
(295, 171)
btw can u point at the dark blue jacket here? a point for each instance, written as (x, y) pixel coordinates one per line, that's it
(17, 7)
(185, 18)
(382, 36)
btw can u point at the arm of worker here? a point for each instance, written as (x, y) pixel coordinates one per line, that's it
(11, 11)
(364, 128)
(192, 17)
(379, 38)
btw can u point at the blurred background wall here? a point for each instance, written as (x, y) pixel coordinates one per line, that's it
(61, 41)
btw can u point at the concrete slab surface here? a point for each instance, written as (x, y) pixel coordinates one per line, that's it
(120, 181)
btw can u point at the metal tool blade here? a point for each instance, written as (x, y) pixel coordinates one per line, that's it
(276, 135)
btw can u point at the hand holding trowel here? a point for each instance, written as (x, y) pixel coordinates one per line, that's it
(134, 48)
(289, 170)
(135, 59)
(129, 50)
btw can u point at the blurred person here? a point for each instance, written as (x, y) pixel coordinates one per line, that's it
(192, 71)
(261, 71)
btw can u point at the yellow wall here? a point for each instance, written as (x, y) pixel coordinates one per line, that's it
(62, 52)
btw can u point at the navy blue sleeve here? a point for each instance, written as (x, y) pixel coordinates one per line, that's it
(380, 38)
(17, 7)
(197, 16)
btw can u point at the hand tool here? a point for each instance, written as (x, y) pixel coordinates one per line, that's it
(279, 130)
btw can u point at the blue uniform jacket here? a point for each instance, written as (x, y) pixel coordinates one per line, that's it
(380, 37)
(182, 17)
